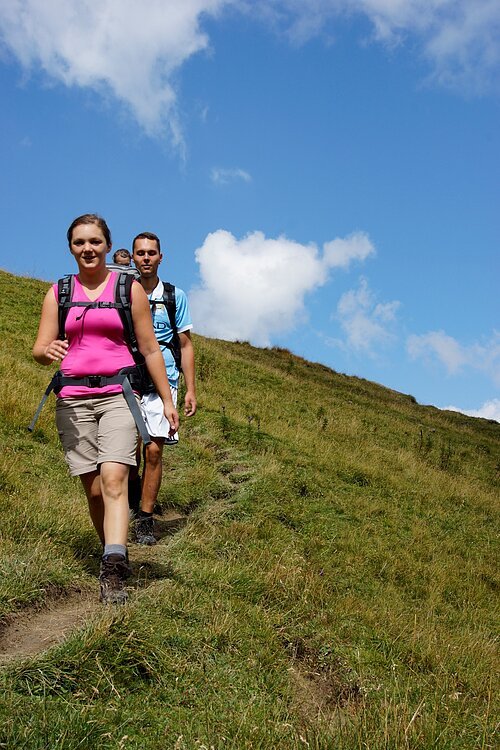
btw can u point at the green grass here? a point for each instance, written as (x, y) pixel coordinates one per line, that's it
(336, 585)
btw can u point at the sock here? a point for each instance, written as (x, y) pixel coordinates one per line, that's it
(115, 549)
(143, 514)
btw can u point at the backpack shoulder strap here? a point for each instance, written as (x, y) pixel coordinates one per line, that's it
(169, 301)
(65, 287)
(123, 301)
(170, 304)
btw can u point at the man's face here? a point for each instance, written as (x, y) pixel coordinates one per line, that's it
(146, 257)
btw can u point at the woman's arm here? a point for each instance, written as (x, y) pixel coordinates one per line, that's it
(150, 350)
(187, 360)
(47, 347)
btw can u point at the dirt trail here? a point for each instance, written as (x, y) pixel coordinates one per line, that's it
(33, 631)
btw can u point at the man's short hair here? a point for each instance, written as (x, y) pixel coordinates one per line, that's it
(147, 236)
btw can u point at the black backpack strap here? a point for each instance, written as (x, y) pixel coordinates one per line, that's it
(123, 300)
(171, 306)
(170, 303)
(65, 288)
(51, 387)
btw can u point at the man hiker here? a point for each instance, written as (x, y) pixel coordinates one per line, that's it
(172, 326)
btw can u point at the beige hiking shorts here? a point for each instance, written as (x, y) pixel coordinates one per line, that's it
(96, 430)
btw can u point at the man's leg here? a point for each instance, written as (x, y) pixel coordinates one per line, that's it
(135, 485)
(152, 473)
(151, 482)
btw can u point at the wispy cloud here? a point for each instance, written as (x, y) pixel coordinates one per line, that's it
(132, 51)
(460, 39)
(340, 252)
(489, 410)
(225, 176)
(253, 288)
(365, 322)
(481, 356)
(127, 49)
(437, 344)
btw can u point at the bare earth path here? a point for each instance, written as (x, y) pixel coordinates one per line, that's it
(33, 631)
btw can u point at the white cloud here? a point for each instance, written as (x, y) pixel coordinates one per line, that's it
(122, 47)
(340, 252)
(132, 50)
(481, 356)
(459, 38)
(489, 410)
(438, 344)
(225, 176)
(365, 322)
(255, 287)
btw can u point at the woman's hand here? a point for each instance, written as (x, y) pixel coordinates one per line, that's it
(47, 347)
(56, 350)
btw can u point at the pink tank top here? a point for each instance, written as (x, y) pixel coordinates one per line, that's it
(96, 342)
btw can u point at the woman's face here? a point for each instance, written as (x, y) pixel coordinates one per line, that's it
(89, 246)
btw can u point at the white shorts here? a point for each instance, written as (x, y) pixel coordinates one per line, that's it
(156, 422)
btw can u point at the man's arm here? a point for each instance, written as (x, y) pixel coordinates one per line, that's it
(187, 360)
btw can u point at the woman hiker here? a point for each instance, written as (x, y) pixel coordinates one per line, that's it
(94, 421)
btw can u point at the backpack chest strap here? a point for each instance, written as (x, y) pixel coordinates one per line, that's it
(92, 305)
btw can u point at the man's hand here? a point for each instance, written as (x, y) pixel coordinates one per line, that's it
(189, 404)
(173, 418)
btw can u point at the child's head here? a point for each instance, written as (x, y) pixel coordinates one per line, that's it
(122, 257)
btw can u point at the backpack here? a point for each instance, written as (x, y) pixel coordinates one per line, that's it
(122, 303)
(130, 378)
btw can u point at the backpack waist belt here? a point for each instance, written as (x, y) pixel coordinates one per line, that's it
(122, 378)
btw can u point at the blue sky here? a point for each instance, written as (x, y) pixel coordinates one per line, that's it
(324, 175)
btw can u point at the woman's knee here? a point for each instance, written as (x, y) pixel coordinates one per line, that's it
(114, 479)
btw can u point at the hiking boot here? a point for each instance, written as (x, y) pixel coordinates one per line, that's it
(144, 526)
(112, 576)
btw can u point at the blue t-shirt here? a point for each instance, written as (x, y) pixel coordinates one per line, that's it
(163, 330)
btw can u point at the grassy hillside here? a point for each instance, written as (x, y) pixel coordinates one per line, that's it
(334, 587)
